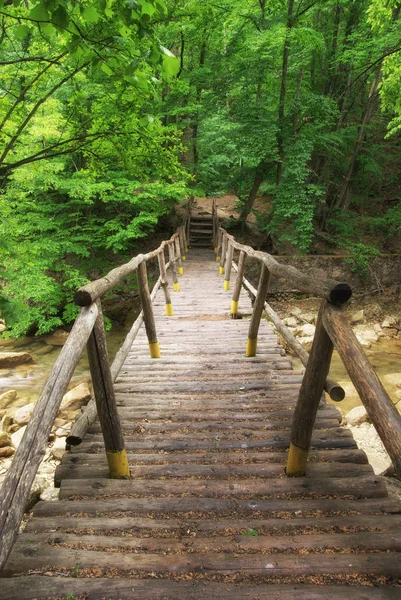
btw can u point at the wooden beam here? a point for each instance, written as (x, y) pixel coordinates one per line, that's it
(258, 306)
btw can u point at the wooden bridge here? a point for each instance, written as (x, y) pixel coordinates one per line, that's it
(179, 490)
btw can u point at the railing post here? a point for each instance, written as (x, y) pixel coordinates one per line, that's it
(178, 255)
(164, 283)
(257, 311)
(229, 262)
(173, 265)
(106, 401)
(223, 254)
(238, 284)
(182, 244)
(147, 308)
(310, 394)
(219, 243)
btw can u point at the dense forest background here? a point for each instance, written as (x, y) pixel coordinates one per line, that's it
(112, 111)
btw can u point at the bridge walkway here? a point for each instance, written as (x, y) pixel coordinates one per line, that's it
(208, 512)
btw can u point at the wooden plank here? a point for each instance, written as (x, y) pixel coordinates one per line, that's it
(36, 586)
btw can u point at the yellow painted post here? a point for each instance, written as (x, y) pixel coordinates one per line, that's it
(178, 255)
(147, 308)
(257, 312)
(173, 265)
(229, 262)
(164, 283)
(238, 284)
(219, 243)
(223, 254)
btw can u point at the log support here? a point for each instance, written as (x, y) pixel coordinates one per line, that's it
(309, 398)
(173, 266)
(147, 308)
(178, 255)
(258, 306)
(223, 254)
(238, 284)
(228, 267)
(105, 400)
(164, 283)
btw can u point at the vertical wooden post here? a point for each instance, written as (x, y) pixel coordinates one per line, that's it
(257, 311)
(147, 308)
(178, 255)
(173, 265)
(105, 400)
(214, 226)
(238, 284)
(223, 254)
(182, 243)
(219, 243)
(185, 241)
(164, 283)
(311, 391)
(229, 262)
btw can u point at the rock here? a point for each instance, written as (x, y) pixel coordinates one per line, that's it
(57, 338)
(290, 322)
(379, 463)
(76, 397)
(50, 495)
(398, 395)
(46, 468)
(296, 311)
(2, 327)
(63, 431)
(6, 423)
(378, 329)
(306, 330)
(389, 322)
(12, 359)
(17, 436)
(393, 379)
(7, 343)
(309, 317)
(13, 428)
(58, 449)
(306, 342)
(2, 413)
(23, 341)
(24, 413)
(5, 439)
(37, 489)
(389, 331)
(45, 350)
(7, 451)
(356, 416)
(8, 398)
(398, 406)
(358, 317)
(367, 338)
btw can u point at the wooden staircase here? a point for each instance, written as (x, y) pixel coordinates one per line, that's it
(201, 231)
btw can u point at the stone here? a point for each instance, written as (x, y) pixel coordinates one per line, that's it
(358, 317)
(3, 327)
(6, 422)
(296, 311)
(290, 322)
(309, 318)
(24, 413)
(398, 395)
(398, 406)
(389, 331)
(63, 431)
(379, 463)
(17, 436)
(8, 398)
(356, 416)
(389, 322)
(306, 330)
(44, 350)
(5, 439)
(50, 495)
(57, 338)
(12, 359)
(393, 379)
(306, 342)
(13, 428)
(76, 397)
(366, 338)
(7, 343)
(7, 451)
(23, 341)
(58, 449)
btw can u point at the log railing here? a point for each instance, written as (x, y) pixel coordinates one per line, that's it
(333, 331)
(88, 330)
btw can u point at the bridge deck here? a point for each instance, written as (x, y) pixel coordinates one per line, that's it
(209, 512)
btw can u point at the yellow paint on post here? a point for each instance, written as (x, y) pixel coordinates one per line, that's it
(215, 250)
(118, 464)
(180, 271)
(187, 250)
(154, 349)
(234, 307)
(221, 270)
(226, 285)
(251, 347)
(176, 287)
(296, 462)
(183, 258)
(169, 310)
(217, 258)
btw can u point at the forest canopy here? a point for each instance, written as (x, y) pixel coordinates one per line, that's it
(113, 111)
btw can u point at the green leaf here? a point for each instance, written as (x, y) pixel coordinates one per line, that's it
(91, 15)
(60, 17)
(39, 13)
(106, 69)
(170, 65)
(21, 32)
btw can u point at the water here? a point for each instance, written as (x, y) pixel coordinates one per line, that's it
(29, 379)
(385, 358)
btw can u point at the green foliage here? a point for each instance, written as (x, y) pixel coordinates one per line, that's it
(361, 257)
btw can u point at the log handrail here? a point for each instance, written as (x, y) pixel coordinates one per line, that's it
(87, 331)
